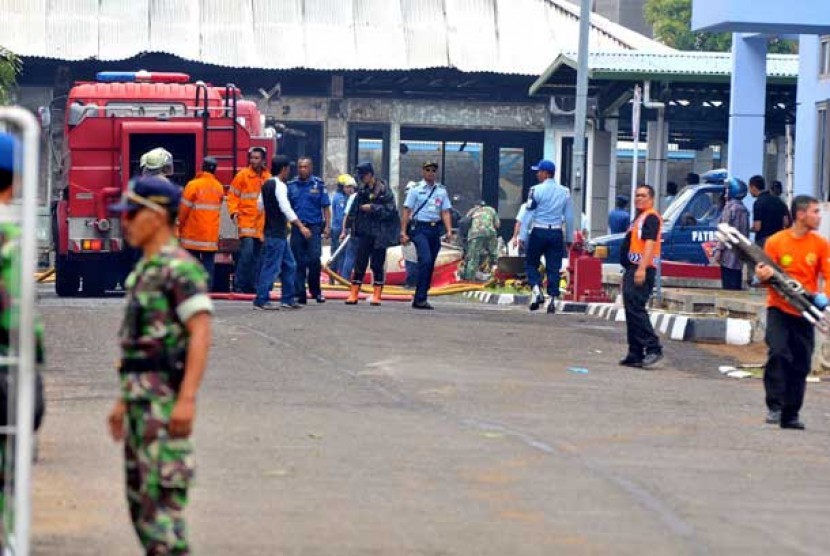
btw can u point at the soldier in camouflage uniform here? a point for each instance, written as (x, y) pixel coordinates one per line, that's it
(9, 293)
(165, 337)
(482, 238)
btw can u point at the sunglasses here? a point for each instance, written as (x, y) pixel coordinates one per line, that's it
(431, 170)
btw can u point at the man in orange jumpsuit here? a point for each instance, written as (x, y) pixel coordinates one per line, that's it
(200, 214)
(242, 206)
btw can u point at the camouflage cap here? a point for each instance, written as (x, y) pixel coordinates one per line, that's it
(152, 192)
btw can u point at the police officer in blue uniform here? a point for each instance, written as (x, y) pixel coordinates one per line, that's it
(619, 218)
(426, 211)
(310, 201)
(549, 207)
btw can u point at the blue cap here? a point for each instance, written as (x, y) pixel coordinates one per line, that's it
(9, 145)
(153, 192)
(545, 165)
(365, 168)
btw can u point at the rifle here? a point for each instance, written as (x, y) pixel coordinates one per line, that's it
(790, 289)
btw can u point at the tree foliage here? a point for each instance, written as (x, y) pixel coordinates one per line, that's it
(672, 23)
(9, 67)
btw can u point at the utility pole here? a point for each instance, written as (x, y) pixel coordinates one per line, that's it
(578, 160)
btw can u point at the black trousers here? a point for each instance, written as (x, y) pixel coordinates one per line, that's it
(790, 341)
(641, 336)
(366, 251)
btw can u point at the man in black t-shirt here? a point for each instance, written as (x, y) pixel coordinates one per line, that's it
(769, 213)
(640, 255)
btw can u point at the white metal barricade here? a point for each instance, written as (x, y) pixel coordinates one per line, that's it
(20, 358)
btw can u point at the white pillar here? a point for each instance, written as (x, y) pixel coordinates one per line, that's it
(780, 159)
(336, 141)
(601, 200)
(612, 126)
(704, 161)
(336, 149)
(395, 158)
(549, 146)
(656, 166)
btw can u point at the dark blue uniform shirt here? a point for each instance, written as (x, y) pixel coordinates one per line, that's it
(308, 198)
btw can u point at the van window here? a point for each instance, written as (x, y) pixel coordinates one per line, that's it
(704, 210)
(673, 210)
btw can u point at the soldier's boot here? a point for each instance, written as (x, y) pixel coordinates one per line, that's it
(354, 294)
(375, 301)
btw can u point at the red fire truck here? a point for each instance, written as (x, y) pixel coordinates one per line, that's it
(108, 125)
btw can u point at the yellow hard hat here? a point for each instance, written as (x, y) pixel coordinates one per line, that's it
(346, 179)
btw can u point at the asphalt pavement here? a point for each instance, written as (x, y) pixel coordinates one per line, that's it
(386, 431)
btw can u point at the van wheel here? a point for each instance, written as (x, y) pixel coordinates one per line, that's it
(67, 277)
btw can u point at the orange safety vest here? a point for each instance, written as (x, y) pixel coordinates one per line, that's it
(242, 201)
(637, 247)
(200, 213)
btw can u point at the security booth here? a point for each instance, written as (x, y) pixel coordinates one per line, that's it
(684, 123)
(753, 23)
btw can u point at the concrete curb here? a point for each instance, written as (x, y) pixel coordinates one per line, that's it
(684, 328)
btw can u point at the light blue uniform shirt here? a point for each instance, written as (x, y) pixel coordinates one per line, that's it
(549, 204)
(431, 212)
(523, 228)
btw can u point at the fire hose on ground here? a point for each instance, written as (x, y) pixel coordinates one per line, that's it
(340, 289)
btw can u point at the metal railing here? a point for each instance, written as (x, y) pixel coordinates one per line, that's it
(20, 359)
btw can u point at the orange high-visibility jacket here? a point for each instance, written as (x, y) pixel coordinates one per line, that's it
(242, 200)
(637, 248)
(200, 212)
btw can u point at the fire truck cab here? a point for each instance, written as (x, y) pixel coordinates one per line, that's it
(109, 124)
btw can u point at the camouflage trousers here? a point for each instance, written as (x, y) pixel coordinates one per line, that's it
(158, 472)
(477, 248)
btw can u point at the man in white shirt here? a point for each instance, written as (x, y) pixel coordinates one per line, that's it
(276, 256)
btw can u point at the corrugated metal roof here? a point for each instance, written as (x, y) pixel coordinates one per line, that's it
(677, 65)
(499, 36)
(608, 65)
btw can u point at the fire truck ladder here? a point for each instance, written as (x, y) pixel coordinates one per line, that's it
(19, 358)
(229, 109)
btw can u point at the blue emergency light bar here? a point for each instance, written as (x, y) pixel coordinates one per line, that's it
(141, 76)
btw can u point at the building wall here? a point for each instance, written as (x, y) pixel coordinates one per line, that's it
(811, 90)
(336, 115)
(628, 13)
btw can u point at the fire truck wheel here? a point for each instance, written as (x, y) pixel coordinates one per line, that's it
(94, 284)
(67, 278)
(222, 278)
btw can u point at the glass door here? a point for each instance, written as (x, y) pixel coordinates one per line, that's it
(369, 143)
(508, 177)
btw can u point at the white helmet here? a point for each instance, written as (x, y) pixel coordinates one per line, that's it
(156, 159)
